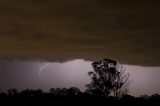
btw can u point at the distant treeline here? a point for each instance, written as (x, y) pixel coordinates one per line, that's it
(71, 95)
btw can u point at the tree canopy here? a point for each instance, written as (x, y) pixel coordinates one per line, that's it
(108, 78)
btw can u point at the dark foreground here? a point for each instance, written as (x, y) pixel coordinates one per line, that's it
(75, 100)
(71, 96)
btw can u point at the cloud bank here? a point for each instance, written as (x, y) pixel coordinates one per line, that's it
(60, 30)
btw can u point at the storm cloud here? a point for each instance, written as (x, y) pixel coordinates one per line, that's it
(58, 30)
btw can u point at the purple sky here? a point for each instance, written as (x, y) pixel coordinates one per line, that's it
(44, 75)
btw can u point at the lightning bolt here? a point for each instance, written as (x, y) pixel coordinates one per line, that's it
(43, 68)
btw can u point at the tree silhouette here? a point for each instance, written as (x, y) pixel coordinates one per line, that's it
(73, 95)
(120, 83)
(108, 77)
(26, 92)
(64, 92)
(2, 94)
(52, 91)
(12, 92)
(73, 91)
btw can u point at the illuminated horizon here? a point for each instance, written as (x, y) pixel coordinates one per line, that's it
(74, 73)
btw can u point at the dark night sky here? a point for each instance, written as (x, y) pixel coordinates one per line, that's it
(62, 30)
(126, 30)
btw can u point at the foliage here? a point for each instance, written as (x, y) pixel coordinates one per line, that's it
(108, 77)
